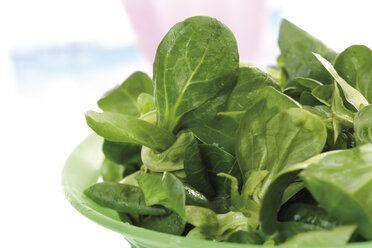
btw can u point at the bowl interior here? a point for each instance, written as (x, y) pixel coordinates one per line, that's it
(82, 169)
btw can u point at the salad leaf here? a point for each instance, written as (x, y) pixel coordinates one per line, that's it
(145, 102)
(354, 65)
(173, 187)
(352, 95)
(363, 125)
(172, 223)
(171, 159)
(336, 236)
(347, 176)
(196, 172)
(296, 48)
(111, 171)
(123, 98)
(221, 130)
(124, 128)
(196, 59)
(123, 198)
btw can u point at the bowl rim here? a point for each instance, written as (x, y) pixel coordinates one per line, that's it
(89, 208)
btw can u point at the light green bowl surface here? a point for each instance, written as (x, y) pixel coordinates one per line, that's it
(82, 169)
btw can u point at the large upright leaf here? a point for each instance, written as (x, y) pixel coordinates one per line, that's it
(123, 98)
(296, 47)
(347, 178)
(363, 125)
(354, 65)
(124, 128)
(196, 59)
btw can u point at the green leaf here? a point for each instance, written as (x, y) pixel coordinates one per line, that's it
(342, 118)
(354, 65)
(308, 83)
(323, 93)
(306, 98)
(203, 218)
(363, 125)
(172, 224)
(337, 236)
(152, 187)
(123, 98)
(122, 153)
(196, 172)
(229, 223)
(194, 197)
(250, 81)
(145, 102)
(122, 198)
(310, 214)
(124, 128)
(296, 47)
(353, 96)
(273, 196)
(173, 187)
(196, 59)
(171, 159)
(205, 113)
(251, 144)
(216, 161)
(163, 189)
(323, 112)
(253, 85)
(347, 176)
(245, 237)
(111, 171)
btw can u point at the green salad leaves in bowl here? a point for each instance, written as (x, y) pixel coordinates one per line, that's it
(212, 152)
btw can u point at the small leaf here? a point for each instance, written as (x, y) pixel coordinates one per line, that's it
(196, 172)
(123, 98)
(122, 198)
(145, 102)
(203, 218)
(354, 64)
(172, 224)
(173, 187)
(124, 128)
(353, 96)
(171, 159)
(363, 125)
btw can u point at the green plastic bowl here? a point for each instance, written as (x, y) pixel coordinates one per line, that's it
(82, 169)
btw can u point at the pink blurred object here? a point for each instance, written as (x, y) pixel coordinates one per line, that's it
(152, 19)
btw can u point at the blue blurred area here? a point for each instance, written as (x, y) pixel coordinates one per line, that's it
(88, 65)
(71, 59)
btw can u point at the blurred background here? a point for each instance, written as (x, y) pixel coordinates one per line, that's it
(58, 57)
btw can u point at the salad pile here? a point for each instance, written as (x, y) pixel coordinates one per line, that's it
(214, 148)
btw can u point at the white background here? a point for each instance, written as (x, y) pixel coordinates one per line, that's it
(41, 118)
